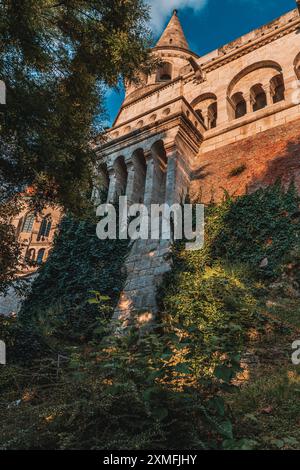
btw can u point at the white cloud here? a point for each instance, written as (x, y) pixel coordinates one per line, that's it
(161, 10)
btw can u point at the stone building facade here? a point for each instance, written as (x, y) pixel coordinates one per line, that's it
(35, 233)
(228, 120)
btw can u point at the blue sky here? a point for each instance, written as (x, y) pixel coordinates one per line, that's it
(208, 24)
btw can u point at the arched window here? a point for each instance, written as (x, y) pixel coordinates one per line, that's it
(239, 104)
(30, 255)
(212, 115)
(277, 88)
(164, 72)
(297, 65)
(121, 176)
(206, 107)
(45, 227)
(28, 223)
(139, 181)
(40, 256)
(259, 98)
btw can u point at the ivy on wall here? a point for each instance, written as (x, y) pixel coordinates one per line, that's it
(78, 264)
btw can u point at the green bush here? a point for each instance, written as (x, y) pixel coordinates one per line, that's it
(23, 344)
(129, 392)
(255, 227)
(79, 263)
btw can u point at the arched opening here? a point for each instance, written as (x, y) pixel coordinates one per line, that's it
(206, 108)
(164, 72)
(40, 256)
(121, 176)
(255, 74)
(277, 88)
(297, 66)
(30, 255)
(140, 169)
(212, 115)
(258, 97)
(45, 228)
(160, 172)
(28, 223)
(239, 105)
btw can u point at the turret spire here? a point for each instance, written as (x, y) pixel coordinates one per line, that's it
(173, 35)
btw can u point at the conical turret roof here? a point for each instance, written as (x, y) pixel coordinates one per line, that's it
(173, 35)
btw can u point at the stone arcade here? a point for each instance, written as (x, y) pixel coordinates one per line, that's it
(229, 119)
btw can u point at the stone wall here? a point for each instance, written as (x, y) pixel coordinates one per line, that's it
(249, 164)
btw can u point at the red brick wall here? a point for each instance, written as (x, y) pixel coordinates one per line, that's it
(265, 157)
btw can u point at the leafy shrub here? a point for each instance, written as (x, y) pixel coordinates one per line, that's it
(79, 263)
(254, 227)
(22, 344)
(129, 392)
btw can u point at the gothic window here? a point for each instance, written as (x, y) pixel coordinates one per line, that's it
(277, 88)
(239, 104)
(45, 228)
(40, 256)
(164, 72)
(259, 98)
(28, 223)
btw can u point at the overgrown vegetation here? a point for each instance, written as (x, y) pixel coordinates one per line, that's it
(56, 59)
(9, 247)
(214, 373)
(79, 264)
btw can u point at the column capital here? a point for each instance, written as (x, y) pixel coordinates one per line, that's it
(268, 91)
(148, 156)
(171, 149)
(129, 165)
(111, 170)
(266, 86)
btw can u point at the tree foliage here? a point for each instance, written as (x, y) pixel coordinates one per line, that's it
(55, 58)
(9, 247)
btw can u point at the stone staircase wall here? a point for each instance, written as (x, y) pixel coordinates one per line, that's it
(147, 262)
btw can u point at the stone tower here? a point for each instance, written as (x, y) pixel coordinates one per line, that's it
(229, 119)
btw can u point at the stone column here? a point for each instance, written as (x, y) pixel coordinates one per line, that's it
(249, 104)
(112, 185)
(206, 119)
(267, 90)
(148, 198)
(171, 196)
(130, 182)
